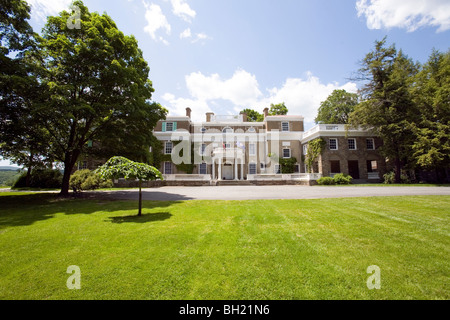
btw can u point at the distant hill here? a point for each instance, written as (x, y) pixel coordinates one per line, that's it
(9, 168)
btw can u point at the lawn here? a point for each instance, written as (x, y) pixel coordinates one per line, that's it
(225, 250)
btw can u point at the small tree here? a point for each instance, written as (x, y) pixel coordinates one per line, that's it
(120, 167)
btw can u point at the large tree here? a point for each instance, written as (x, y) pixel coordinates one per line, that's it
(22, 140)
(387, 107)
(432, 95)
(336, 109)
(98, 85)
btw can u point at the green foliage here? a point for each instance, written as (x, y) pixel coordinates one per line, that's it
(341, 178)
(288, 165)
(40, 178)
(337, 108)
(86, 179)
(326, 181)
(278, 109)
(389, 178)
(315, 148)
(253, 116)
(338, 179)
(120, 167)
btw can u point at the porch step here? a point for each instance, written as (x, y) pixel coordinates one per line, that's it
(233, 183)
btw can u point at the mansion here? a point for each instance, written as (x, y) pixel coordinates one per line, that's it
(230, 148)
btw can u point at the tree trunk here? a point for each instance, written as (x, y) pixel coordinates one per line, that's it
(70, 160)
(140, 198)
(28, 178)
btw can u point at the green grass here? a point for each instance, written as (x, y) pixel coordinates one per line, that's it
(272, 249)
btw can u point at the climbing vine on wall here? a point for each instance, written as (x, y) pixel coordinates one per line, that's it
(315, 149)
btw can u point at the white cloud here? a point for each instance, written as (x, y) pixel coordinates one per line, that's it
(156, 20)
(186, 34)
(405, 14)
(241, 89)
(44, 8)
(302, 96)
(181, 9)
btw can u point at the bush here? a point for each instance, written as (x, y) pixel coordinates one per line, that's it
(40, 178)
(389, 178)
(83, 180)
(326, 181)
(341, 178)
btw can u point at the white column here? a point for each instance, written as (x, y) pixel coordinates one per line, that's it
(235, 169)
(242, 168)
(220, 169)
(213, 169)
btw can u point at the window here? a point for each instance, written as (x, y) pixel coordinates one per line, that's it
(203, 130)
(252, 168)
(251, 129)
(277, 169)
(167, 167)
(351, 144)
(297, 168)
(203, 168)
(285, 126)
(286, 153)
(370, 144)
(372, 166)
(333, 144)
(305, 149)
(252, 149)
(227, 130)
(263, 166)
(168, 148)
(335, 166)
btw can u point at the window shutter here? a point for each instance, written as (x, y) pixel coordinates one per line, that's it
(174, 126)
(163, 127)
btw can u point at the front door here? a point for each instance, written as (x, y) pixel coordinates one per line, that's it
(353, 169)
(227, 172)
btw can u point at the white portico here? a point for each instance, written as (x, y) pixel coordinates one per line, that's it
(228, 162)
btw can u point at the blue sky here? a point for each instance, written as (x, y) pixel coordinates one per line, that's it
(227, 55)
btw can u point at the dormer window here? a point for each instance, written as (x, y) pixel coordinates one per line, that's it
(285, 126)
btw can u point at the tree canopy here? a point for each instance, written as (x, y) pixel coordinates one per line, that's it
(336, 109)
(279, 109)
(253, 116)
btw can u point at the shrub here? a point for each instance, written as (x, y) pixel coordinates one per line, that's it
(389, 178)
(341, 178)
(326, 181)
(40, 178)
(83, 180)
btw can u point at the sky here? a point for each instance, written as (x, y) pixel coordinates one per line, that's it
(227, 55)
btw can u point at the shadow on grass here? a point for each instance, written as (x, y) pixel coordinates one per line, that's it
(150, 217)
(27, 209)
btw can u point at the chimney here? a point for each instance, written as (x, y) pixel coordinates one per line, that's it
(244, 116)
(188, 112)
(209, 116)
(266, 112)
